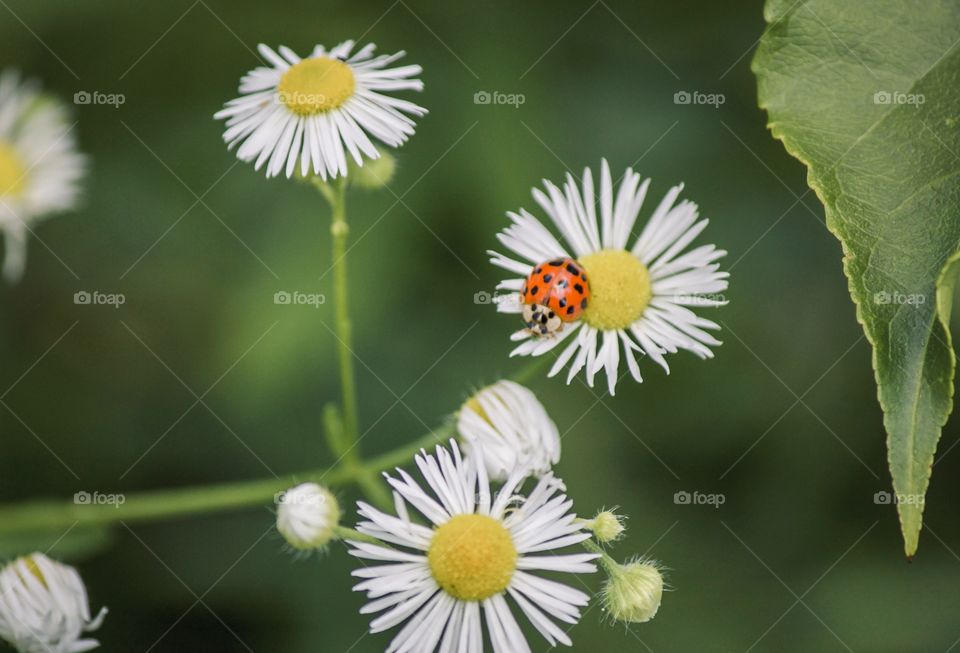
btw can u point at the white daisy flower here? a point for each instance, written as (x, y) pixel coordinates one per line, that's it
(477, 551)
(307, 515)
(311, 109)
(637, 298)
(506, 425)
(40, 167)
(43, 607)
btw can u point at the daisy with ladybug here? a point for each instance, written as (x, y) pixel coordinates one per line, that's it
(605, 298)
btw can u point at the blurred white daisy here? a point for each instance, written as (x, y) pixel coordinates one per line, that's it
(477, 551)
(40, 167)
(43, 607)
(507, 425)
(309, 110)
(639, 296)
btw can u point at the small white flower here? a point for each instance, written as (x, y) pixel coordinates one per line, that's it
(307, 515)
(638, 297)
(477, 551)
(310, 109)
(44, 608)
(40, 167)
(511, 430)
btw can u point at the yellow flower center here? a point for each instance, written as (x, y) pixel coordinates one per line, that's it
(12, 171)
(472, 557)
(316, 85)
(620, 289)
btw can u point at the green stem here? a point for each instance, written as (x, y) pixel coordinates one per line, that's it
(344, 533)
(608, 562)
(348, 439)
(44, 516)
(348, 384)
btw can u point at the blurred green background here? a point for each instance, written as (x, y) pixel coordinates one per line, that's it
(784, 423)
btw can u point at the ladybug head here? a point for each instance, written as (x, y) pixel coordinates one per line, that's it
(542, 321)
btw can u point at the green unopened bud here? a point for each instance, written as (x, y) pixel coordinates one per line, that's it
(307, 515)
(374, 173)
(607, 526)
(633, 591)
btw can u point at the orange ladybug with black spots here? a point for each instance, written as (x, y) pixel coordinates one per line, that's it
(556, 292)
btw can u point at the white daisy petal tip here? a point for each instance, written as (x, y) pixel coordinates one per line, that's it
(317, 110)
(44, 607)
(434, 584)
(635, 298)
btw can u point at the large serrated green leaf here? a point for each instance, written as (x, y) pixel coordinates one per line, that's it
(866, 93)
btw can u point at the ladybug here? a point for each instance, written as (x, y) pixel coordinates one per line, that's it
(555, 292)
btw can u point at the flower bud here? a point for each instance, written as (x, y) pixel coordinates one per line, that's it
(607, 526)
(633, 591)
(374, 173)
(307, 515)
(507, 425)
(43, 606)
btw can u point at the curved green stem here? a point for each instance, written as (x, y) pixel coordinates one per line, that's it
(43, 516)
(141, 506)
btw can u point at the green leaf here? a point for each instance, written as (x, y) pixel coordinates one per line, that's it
(866, 93)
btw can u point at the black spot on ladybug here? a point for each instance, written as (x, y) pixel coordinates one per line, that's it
(543, 319)
(534, 290)
(551, 315)
(547, 278)
(556, 263)
(563, 302)
(583, 303)
(562, 283)
(578, 287)
(570, 310)
(537, 270)
(543, 330)
(573, 269)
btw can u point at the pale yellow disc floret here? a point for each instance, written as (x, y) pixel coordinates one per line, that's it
(472, 557)
(12, 171)
(620, 289)
(316, 85)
